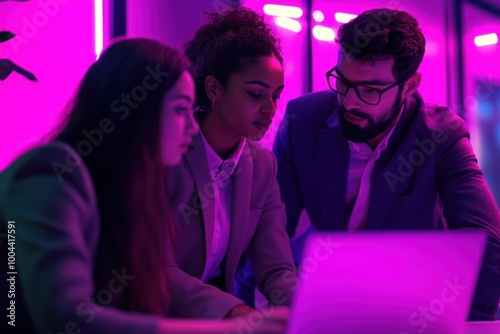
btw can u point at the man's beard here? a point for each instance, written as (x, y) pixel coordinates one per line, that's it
(357, 134)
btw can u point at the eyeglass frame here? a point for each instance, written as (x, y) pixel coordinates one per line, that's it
(355, 86)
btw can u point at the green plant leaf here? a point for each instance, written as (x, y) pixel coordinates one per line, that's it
(5, 36)
(7, 67)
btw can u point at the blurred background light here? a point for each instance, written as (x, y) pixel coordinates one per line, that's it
(323, 33)
(98, 18)
(344, 17)
(318, 16)
(286, 11)
(288, 23)
(488, 39)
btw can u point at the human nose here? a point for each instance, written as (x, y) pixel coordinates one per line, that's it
(270, 107)
(192, 126)
(350, 99)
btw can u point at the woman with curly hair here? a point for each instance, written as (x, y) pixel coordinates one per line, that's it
(225, 194)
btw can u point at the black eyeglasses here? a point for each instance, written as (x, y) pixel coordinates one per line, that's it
(367, 94)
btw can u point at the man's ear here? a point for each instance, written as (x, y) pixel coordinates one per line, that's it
(213, 88)
(412, 85)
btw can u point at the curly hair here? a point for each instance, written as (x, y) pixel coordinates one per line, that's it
(382, 33)
(231, 41)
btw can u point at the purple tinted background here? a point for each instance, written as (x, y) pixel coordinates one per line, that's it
(56, 42)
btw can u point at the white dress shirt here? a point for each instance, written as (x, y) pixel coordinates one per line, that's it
(220, 173)
(361, 162)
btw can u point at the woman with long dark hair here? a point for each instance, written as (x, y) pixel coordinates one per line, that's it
(90, 208)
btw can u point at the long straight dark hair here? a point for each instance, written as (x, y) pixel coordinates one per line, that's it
(114, 125)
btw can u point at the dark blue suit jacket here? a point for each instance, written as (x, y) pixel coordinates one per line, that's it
(426, 179)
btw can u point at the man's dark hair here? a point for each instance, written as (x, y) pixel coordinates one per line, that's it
(380, 34)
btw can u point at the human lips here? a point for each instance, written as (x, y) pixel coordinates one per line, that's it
(263, 123)
(354, 119)
(186, 145)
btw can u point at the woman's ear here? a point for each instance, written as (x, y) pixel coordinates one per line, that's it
(412, 85)
(213, 88)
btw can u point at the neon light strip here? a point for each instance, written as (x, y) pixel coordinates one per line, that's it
(285, 11)
(488, 39)
(318, 16)
(98, 27)
(288, 23)
(324, 33)
(344, 17)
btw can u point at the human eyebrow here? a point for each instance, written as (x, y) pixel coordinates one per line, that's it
(182, 97)
(260, 83)
(263, 84)
(374, 82)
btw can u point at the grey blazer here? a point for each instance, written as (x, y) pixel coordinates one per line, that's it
(257, 229)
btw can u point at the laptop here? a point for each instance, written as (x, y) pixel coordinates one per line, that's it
(387, 282)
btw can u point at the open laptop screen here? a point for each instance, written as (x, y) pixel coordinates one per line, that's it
(387, 282)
